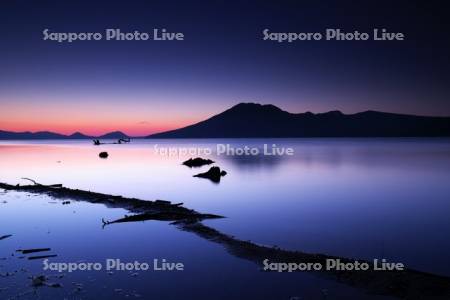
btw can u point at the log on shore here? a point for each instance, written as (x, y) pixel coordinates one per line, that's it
(165, 209)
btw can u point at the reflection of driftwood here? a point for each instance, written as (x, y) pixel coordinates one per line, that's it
(171, 212)
(409, 284)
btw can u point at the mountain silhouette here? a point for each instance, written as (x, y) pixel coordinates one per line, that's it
(47, 135)
(256, 121)
(114, 135)
(78, 135)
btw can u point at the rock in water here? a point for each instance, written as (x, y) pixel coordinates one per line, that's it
(197, 162)
(103, 154)
(214, 174)
(38, 280)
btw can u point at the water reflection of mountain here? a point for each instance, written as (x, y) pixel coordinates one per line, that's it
(255, 162)
(364, 153)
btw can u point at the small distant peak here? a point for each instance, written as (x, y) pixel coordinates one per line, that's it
(114, 135)
(245, 105)
(367, 112)
(372, 112)
(272, 107)
(117, 132)
(334, 113)
(251, 106)
(77, 134)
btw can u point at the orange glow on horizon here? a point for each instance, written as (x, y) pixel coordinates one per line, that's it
(94, 129)
(94, 119)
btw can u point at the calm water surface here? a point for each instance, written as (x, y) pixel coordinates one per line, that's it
(361, 198)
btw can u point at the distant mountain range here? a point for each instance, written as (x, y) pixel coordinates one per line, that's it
(251, 120)
(256, 120)
(47, 135)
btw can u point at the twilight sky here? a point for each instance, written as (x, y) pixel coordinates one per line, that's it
(141, 87)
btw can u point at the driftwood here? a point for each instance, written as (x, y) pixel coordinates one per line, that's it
(157, 216)
(124, 140)
(5, 236)
(119, 141)
(28, 251)
(408, 283)
(36, 183)
(42, 256)
(171, 212)
(36, 250)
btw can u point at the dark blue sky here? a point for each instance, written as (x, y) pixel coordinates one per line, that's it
(147, 86)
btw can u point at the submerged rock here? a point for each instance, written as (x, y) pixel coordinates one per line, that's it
(197, 162)
(214, 174)
(42, 280)
(38, 280)
(103, 155)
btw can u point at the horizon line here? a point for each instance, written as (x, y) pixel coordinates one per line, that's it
(241, 103)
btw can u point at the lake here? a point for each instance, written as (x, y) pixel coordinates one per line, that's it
(358, 198)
